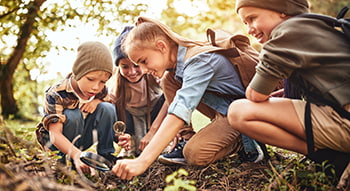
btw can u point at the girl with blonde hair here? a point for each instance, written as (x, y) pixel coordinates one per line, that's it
(189, 83)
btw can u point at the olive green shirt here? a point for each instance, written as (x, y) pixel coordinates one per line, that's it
(314, 50)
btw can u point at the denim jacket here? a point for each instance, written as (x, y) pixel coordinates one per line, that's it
(204, 78)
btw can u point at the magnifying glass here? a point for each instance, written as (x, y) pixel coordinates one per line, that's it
(119, 128)
(96, 161)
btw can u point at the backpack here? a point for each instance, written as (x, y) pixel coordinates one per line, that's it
(341, 24)
(338, 22)
(340, 160)
(235, 47)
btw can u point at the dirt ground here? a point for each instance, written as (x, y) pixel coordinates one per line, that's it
(24, 167)
(228, 174)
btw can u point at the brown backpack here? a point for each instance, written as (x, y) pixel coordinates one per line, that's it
(235, 47)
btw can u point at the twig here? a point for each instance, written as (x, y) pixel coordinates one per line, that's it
(280, 176)
(344, 181)
(7, 132)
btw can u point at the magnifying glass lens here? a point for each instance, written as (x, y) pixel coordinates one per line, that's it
(95, 161)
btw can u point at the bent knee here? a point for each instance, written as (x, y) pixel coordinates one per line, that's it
(73, 116)
(106, 107)
(238, 112)
(194, 156)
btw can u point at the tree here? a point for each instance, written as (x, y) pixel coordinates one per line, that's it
(200, 15)
(188, 21)
(27, 21)
(328, 7)
(8, 102)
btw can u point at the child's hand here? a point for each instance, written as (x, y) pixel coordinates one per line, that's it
(82, 166)
(145, 140)
(91, 106)
(128, 168)
(125, 141)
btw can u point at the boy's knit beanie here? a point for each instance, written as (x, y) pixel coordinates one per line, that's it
(117, 50)
(92, 56)
(288, 7)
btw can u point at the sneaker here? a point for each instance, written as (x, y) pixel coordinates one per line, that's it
(254, 157)
(175, 157)
(260, 155)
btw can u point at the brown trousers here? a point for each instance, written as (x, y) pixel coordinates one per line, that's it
(213, 141)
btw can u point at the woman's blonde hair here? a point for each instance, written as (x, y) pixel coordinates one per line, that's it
(147, 31)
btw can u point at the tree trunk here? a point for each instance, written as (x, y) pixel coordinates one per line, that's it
(8, 102)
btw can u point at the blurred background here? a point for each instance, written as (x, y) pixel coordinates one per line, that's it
(38, 38)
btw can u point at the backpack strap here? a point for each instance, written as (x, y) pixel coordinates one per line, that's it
(304, 90)
(342, 12)
(339, 21)
(308, 125)
(341, 111)
(211, 37)
(308, 129)
(148, 102)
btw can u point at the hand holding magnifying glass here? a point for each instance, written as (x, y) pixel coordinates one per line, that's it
(99, 162)
(119, 128)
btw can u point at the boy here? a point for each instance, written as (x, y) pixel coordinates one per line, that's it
(314, 58)
(75, 107)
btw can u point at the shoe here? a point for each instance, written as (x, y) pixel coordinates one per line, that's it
(260, 155)
(254, 157)
(175, 157)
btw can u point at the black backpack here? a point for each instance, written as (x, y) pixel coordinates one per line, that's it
(338, 22)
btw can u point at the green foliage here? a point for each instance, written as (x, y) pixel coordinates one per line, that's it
(193, 18)
(107, 16)
(300, 175)
(178, 183)
(19, 151)
(328, 7)
(16, 147)
(199, 15)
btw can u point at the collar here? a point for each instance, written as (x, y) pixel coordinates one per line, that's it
(180, 63)
(65, 84)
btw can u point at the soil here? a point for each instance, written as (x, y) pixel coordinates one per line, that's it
(227, 174)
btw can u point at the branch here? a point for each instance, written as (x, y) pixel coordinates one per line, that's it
(8, 13)
(23, 38)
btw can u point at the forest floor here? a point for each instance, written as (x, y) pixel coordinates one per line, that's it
(24, 166)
